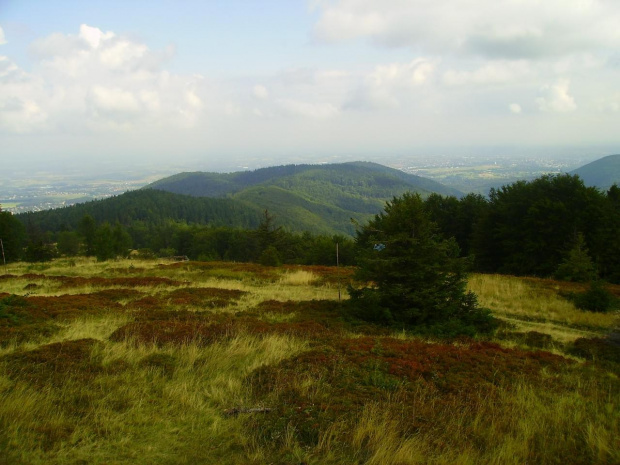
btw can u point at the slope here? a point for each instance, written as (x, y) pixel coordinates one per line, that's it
(315, 198)
(149, 206)
(602, 173)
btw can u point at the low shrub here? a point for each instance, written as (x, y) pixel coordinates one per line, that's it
(601, 349)
(596, 299)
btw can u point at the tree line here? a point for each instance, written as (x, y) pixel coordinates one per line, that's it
(267, 243)
(551, 226)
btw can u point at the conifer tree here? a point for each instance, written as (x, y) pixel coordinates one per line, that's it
(412, 276)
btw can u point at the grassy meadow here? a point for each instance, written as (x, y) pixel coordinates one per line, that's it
(153, 362)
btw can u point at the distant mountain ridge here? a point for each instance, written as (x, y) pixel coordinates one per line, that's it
(602, 173)
(321, 199)
(315, 198)
(208, 184)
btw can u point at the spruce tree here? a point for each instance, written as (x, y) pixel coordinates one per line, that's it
(412, 276)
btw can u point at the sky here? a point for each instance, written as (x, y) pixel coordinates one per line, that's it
(216, 83)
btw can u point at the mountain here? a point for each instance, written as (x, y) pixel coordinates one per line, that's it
(150, 207)
(315, 198)
(602, 173)
(201, 184)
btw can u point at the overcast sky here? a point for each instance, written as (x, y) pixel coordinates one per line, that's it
(220, 80)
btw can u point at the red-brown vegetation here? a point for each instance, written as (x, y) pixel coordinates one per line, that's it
(54, 363)
(96, 281)
(243, 269)
(567, 287)
(25, 317)
(355, 372)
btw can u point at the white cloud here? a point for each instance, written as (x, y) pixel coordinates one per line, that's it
(555, 98)
(386, 85)
(121, 53)
(403, 74)
(496, 28)
(231, 109)
(307, 109)
(492, 73)
(151, 100)
(97, 80)
(114, 100)
(21, 110)
(515, 108)
(2, 38)
(260, 92)
(193, 100)
(93, 36)
(20, 115)
(8, 68)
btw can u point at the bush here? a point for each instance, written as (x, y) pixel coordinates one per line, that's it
(595, 299)
(596, 349)
(270, 257)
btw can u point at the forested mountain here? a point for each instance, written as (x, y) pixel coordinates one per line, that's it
(355, 178)
(148, 206)
(314, 198)
(602, 173)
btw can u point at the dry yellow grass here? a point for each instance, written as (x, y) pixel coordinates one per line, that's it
(514, 298)
(298, 278)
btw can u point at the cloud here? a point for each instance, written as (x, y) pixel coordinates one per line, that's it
(2, 38)
(20, 115)
(308, 109)
(610, 104)
(114, 100)
(93, 36)
(387, 85)
(555, 98)
(492, 73)
(515, 108)
(20, 99)
(97, 80)
(260, 92)
(495, 28)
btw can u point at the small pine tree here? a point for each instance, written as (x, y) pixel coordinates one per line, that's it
(577, 266)
(412, 276)
(104, 243)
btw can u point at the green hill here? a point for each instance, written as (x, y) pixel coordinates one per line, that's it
(148, 206)
(315, 198)
(602, 173)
